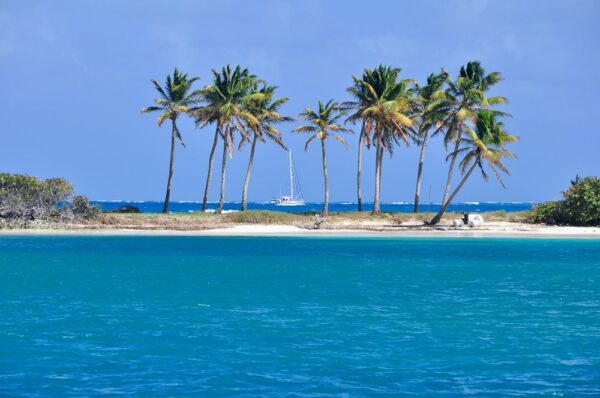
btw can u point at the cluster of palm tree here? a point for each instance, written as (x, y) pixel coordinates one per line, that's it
(391, 112)
(395, 111)
(237, 103)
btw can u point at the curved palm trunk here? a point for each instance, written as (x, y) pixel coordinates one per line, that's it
(171, 163)
(451, 167)
(359, 167)
(450, 174)
(420, 173)
(326, 180)
(445, 205)
(209, 173)
(247, 179)
(223, 169)
(378, 161)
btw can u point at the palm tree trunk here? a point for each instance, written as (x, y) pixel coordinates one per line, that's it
(381, 151)
(171, 163)
(376, 200)
(420, 173)
(445, 205)
(223, 168)
(210, 164)
(326, 180)
(359, 167)
(451, 169)
(247, 179)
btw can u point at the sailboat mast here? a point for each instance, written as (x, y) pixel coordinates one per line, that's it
(291, 176)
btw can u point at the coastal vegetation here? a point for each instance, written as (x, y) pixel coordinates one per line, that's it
(392, 111)
(354, 220)
(323, 125)
(384, 105)
(432, 97)
(265, 109)
(481, 146)
(175, 99)
(466, 96)
(580, 205)
(25, 199)
(226, 103)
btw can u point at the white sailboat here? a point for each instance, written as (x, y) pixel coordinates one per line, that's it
(289, 200)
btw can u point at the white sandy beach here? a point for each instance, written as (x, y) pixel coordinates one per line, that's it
(495, 229)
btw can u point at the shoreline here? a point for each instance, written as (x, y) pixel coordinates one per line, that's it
(516, 230)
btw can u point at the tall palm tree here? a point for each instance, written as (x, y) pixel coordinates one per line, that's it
(431, 113)
(363, 99)
(465, 97)
(323, 124)
(175, 99)
(225, 102)
(265, 109)
(482, 146)
(385, 106)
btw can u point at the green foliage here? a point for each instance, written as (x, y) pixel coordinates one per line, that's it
(175, 99)
(580, 206)
(226, 102)
(29, 198)
(25, 198)
(125, 209)
(384, 104)
(547, 213)
(323, 123)
(265, 108)
(582, 202)
(81, 208)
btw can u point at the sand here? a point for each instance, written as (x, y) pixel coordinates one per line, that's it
(491, 229)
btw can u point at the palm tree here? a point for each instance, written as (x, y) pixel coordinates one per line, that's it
(431, 111)
(175, 99)
(465, 97)
(363, 100)
(225, 102)
(385, 106)
(323, 124)
(484, 145)
(265, 110)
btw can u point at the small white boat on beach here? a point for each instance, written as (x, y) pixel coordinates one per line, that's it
(290, 200)
(474, 220)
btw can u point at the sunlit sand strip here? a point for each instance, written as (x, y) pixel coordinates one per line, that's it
(508, 230)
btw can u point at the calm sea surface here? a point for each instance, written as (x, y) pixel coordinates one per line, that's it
(227, 316)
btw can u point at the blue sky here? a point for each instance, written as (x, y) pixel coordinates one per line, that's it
(75, 74)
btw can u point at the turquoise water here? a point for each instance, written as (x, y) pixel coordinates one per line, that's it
(314, 317)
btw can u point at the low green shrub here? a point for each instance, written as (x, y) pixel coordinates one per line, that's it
(547, 213)
(125, 209)
(81, 208)
(580, 206)
(26, 198)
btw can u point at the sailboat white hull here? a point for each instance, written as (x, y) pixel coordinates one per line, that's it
(289, 200)
(294, 203)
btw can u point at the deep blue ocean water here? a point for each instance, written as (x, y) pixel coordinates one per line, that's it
(306, 317)
(178, 207)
